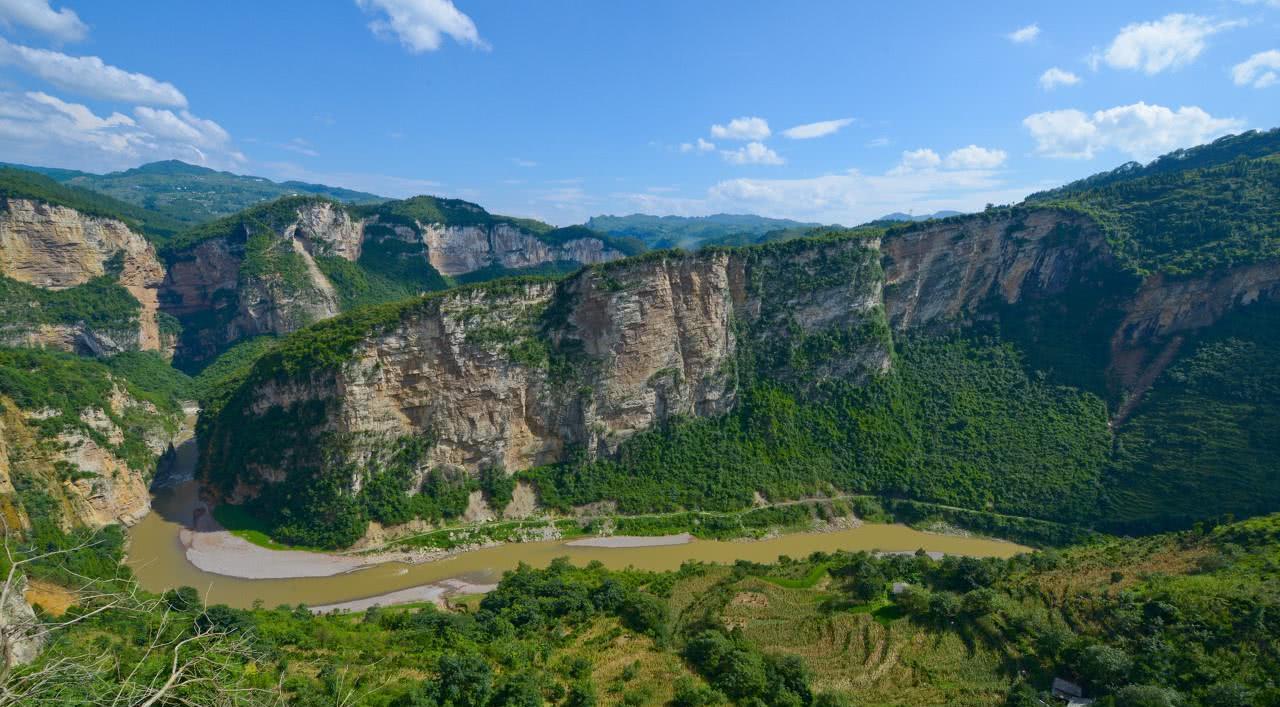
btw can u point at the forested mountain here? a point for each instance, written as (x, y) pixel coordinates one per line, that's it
(188, 194)
(1050, 361)
(694, 231)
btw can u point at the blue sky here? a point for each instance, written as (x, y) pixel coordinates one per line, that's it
(560, 109)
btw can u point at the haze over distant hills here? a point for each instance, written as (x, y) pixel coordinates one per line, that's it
(190, 194)
(899, 216)
(693, 231)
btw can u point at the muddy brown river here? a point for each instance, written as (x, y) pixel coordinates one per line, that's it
(159, 560)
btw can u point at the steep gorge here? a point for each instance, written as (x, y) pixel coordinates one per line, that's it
(527, 374)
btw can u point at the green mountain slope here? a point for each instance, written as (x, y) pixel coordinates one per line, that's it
(188, 194)
(25, 184)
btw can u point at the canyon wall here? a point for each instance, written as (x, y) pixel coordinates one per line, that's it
(517, 374)
(57, 248)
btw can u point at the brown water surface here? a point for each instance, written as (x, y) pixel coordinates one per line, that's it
(159, 560)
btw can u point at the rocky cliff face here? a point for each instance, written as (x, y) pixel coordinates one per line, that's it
(81, 467)
(514, 376)
(457, 250)
(947, 273)
(245, 284)
(960, 270)
(55, 248)
(222, 293)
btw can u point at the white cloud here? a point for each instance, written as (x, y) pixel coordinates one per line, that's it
(182, 127)
(698, 145)
(1258, 70)
(879, 142)
(853, 197)
(63, 24)
(974, 157)
(1170, 42)
(745, 128)
(44, 129)
(819, 129)
(1055, 77)
(420, 25)
(523, 163)
(923, 158)
(90, 76)
(752, 153)
(1023, 35)
(1139, 130)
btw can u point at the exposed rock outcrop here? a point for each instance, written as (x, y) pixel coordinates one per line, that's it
(952, 272)
(514, 376)
(947, 272)
(55, 247)
(457, 250)
(222, 293)
(244, 284)
(82, 467)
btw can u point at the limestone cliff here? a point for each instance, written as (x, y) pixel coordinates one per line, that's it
(515, 375)
(56, 248)
(981, 267)
(255, 278)
(457, 250)
(81, 465)
(257, 273)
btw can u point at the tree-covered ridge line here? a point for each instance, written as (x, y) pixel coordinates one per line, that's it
(187, 195)
(1251, 144)
(22, 184)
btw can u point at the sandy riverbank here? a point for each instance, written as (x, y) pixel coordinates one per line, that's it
(212, 548)
(436, 593)
(621, 541)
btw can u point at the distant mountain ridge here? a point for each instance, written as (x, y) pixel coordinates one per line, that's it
(189, 194)
(899, 216)
(694, 231)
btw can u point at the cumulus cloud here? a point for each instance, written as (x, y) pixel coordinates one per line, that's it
(853, 197)
(1258, 70)
(752, 153)
(62, 24)
(38, 127)
(90, 76)
(923, 158)
(745, 128)
(698, 145)
(1055, 77)
(421, 25)
(1170, 42)
(1139, 130)
(974, 157)
(1024, 35)
(181, 127)
(822, 128)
